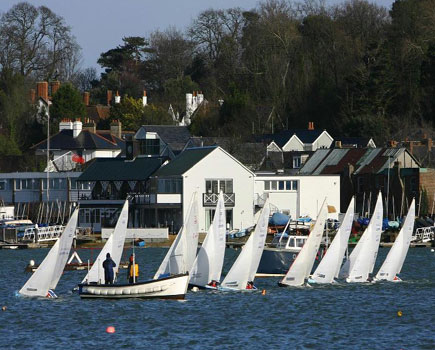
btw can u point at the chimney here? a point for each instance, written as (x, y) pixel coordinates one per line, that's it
(115, 128)
(90, 126)
(42, 90)
(109, 97)
(65, 124)
(429, 144)
(77, 128)
(144, 98)
(32, 96)
(337, 144)
(310, 125)
(55, 85)
(86, 96)
(117, 97)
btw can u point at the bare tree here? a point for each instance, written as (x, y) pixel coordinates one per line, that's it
(36, 41)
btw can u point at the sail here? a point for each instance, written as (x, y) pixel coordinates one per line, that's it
(396, 256)
(48, 273)
(363, 259)
(114, 245)
(246, 264)
(182, 253)
(209, 261)
(301, 267)
(331, 262)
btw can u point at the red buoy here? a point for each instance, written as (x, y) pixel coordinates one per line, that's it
(110, 329)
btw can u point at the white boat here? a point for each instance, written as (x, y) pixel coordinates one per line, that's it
(207, 267)
(329, 267)
(362, 259)
(181, 255)
(242, 273)
(396, 256)
(171, 287)
(44, 280)
(301, 267)
(114, 246)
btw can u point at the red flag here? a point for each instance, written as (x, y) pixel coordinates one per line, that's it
(78, 159)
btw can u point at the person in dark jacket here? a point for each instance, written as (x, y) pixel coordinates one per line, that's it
(108, 266)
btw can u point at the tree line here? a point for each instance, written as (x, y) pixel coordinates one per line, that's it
(356, 68)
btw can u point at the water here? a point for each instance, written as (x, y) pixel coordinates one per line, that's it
(320, 317)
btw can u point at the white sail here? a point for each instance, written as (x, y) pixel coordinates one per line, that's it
(114, 246)
(363, 260)
(209, 261)
(246, 264)
(396, 256)
(331, 262)
(301, 267)
(48, 273)
(182, 253)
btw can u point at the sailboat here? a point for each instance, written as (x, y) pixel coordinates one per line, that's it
(362, 259)
(172, 287)
(242, 273)
(181, 255)
(301, 267)
(44, 280)
(396, 256)
(207, 267)
(329, 267)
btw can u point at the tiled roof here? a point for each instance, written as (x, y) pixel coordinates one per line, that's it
(118, 169)
(98, 112)
(183, 162)
(64, 140)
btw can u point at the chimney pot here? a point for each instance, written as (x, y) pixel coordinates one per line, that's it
(42, 90)
(86, 96)
(109, 97)
(55, 85)
(117, 97)
(310, 125)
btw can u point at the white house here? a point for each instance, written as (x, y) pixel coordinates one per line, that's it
(206, 171)
(298, 195)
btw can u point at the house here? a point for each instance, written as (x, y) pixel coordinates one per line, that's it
(111, 181)
(297, 195)
(79, 143)
(354, 142)
(366, 171)
(161, 140)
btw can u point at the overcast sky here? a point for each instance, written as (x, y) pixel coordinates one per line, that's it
(99, 25)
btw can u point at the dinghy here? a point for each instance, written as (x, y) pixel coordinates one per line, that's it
(396, 256)
(242, 273)
(44, 280)
(301, 267)
(362, 259)
(171, 287)
(207, 268)
(329, 267)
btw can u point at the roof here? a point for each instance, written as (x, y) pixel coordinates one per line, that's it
(119, 169)
(183, 162)
(64, 140)
(281, 138)
(364, 161)
(353, 141)
(98, 112)
(174, 136)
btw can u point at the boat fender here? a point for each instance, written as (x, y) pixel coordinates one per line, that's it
(294, 256)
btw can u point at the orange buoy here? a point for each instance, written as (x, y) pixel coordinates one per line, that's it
(263, 292)
(110, 329)
(4, 308)
(399, 313)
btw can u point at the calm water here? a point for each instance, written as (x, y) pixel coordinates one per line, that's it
(321, 317)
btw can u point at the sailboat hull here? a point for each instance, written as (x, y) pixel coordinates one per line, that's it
(172, 287)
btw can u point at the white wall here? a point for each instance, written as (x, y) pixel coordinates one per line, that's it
(323, 141)
(293, 144)
(220, 165)
(307, 199)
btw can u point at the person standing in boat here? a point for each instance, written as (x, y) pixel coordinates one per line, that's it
(133, 270)
(108, 266)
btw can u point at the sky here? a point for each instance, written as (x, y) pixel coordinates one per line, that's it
(100, 25)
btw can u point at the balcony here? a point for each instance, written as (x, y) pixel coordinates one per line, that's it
(211, 199)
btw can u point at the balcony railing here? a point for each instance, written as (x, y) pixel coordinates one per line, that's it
(211, 199)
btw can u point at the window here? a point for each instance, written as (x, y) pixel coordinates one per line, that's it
(150, 146)
(281, 185)
(169, 186)
(294, 185)
(273, 185)
(215, 186)
(288, 185)
(267, 185)
(296, 162)
(3, 184)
